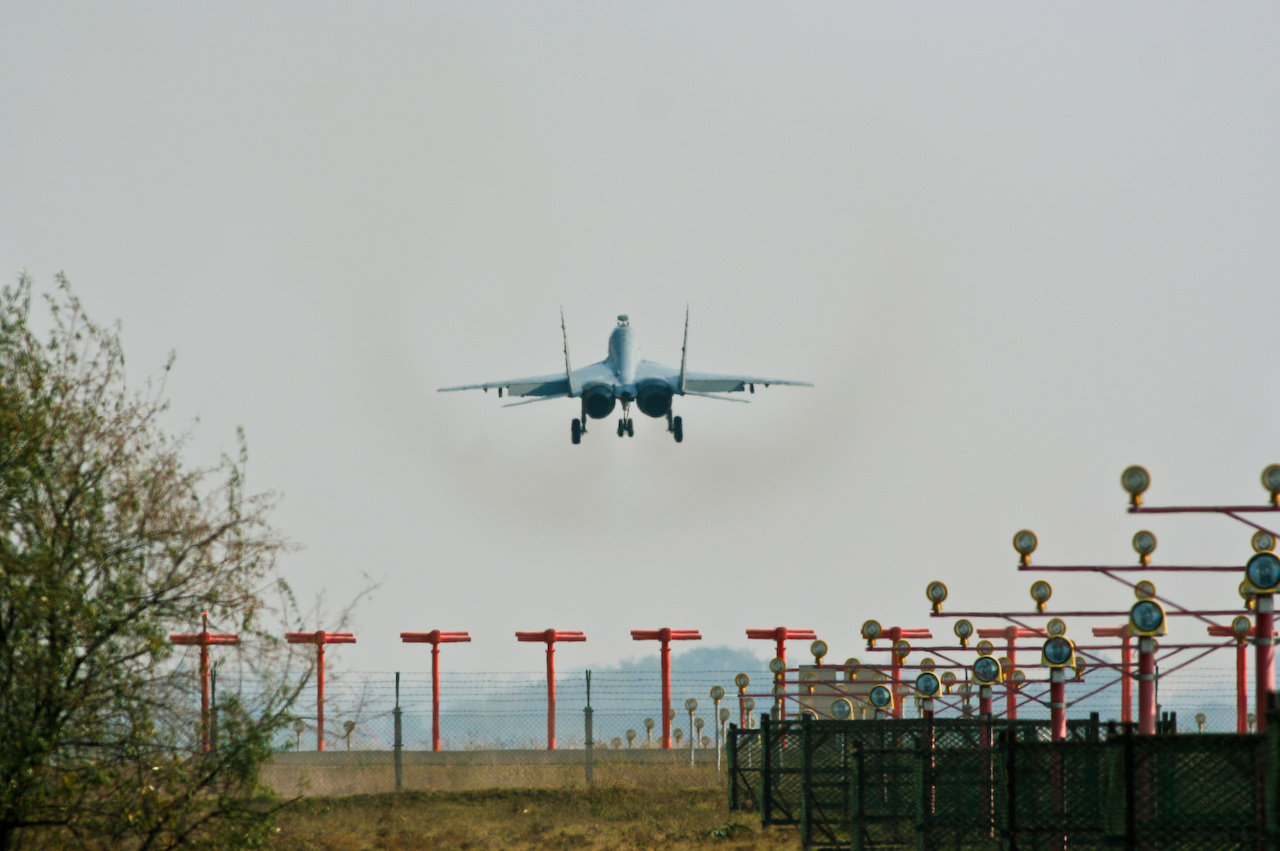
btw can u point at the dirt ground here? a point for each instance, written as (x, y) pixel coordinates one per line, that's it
(616, 818)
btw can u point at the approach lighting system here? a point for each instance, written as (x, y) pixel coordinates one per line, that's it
(985, 648)
(1147, 618)
(1025, 543)
(1263, 542)
(986, 671)
(928, 684)
(964, 631)
(871, 631)
(1058, 652)
(936, 592)
(1271, 481)
(1056, 627)
(948, 680)
(880, 697)
(1240, 627)
(742, 681)
(1135, 480)
(818, 649)
(1145, 590)
(901, 648)
(1263, 572)
(717, 693)
(1041, 591)
(842, 709)
(1144, 544)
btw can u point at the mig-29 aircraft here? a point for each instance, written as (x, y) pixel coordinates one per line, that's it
(624, 377)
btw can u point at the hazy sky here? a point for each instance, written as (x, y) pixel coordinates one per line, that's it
(1015, 246)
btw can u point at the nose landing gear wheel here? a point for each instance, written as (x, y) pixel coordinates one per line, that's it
(575, 431)
(677, 427)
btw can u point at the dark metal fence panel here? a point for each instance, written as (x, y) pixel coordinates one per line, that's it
(744, 764)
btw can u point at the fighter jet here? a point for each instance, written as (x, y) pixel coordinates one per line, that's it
(624, 377)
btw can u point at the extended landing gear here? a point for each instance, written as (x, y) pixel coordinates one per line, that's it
(675, 425)
(626, 426)
(575, 431)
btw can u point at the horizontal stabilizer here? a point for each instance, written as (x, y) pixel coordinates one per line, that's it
(715, 396)
(538, 399)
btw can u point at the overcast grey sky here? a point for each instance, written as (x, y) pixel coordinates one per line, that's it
(1015, 246)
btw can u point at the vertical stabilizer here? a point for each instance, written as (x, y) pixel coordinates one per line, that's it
(684, 349)
(568, 370)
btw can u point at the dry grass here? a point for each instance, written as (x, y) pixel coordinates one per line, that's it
(615, 818)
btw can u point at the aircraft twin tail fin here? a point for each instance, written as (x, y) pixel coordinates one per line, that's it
(684, 351)
(568, 369)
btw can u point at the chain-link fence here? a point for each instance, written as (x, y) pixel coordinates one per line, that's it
(1000, 785)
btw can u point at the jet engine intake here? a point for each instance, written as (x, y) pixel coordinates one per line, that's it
(598, 400)
(654, 398)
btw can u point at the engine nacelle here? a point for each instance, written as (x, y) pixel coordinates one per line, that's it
(598, 401)
(654, 398)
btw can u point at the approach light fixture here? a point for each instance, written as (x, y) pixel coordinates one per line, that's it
(987, 671)
(1056, 627)
(901, 648)
(1271, 481)
(818, 649)
(1018, 678)
(936, 592)
(948, 680)
(1135, 480)
(1240, 626)
(1146, 618)
(927, 664)
(1263, 542)
(871, 630)
(1080, 668)
(1144, 544)
(1263, 572)
(1145, 590)
(1201, 718)
(880, 697)
(963, 629)
(1247, 594)
(1025, 542)
(842, 709)
(1058, 652)
(742, 681)
(749, 704)
(985, 648)
(717, 693)
(1041, 591)
(777, 666)
(928, 684)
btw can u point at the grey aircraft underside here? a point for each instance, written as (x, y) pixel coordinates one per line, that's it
(625, 377)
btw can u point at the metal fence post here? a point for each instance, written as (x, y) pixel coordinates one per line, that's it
(590, 745)
(1011, 770)
(731, 760)
(766, 774)
(399, 740)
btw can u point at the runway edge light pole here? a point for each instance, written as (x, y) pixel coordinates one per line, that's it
(550, 637)
(435, 638)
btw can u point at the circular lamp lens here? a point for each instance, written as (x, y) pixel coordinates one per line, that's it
(699, 723)
(927, 664)
(880, 676)
(1263, 572)
(749, 704)
(1146, 616)
(1019, 678)
(648, 723)
(880, 697)
(963, 628)
(631, 735)
(853, 662)
(1144, 543)
(841, 709)
(986, 670)
(1041, 591)
(985, 648)
(777, 665)
(1271, 478)
(927, 684)
(1201, 718)
(937, 592)
(717, 692)
(1263, 542)
(818, 649)
(902, 647)
(1057, 651)
(724, 715)
(904, 689)
(742, 681)
(871, 630)
(1057, 626)
(1135, 480)
(1144, 590)
(1025, 542)
(948, 677)
(810, 677)
(1080, 666)
(1240, 626)
(1005, 663)
(348, 726)
(1246, 590)
(299, 726)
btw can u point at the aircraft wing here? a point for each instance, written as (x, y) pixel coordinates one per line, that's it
(711, 382)
(549, 386)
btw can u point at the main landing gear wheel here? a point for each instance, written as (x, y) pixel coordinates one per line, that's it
(631, 427)
(627, 427)
(677, 427)
(575, 431)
